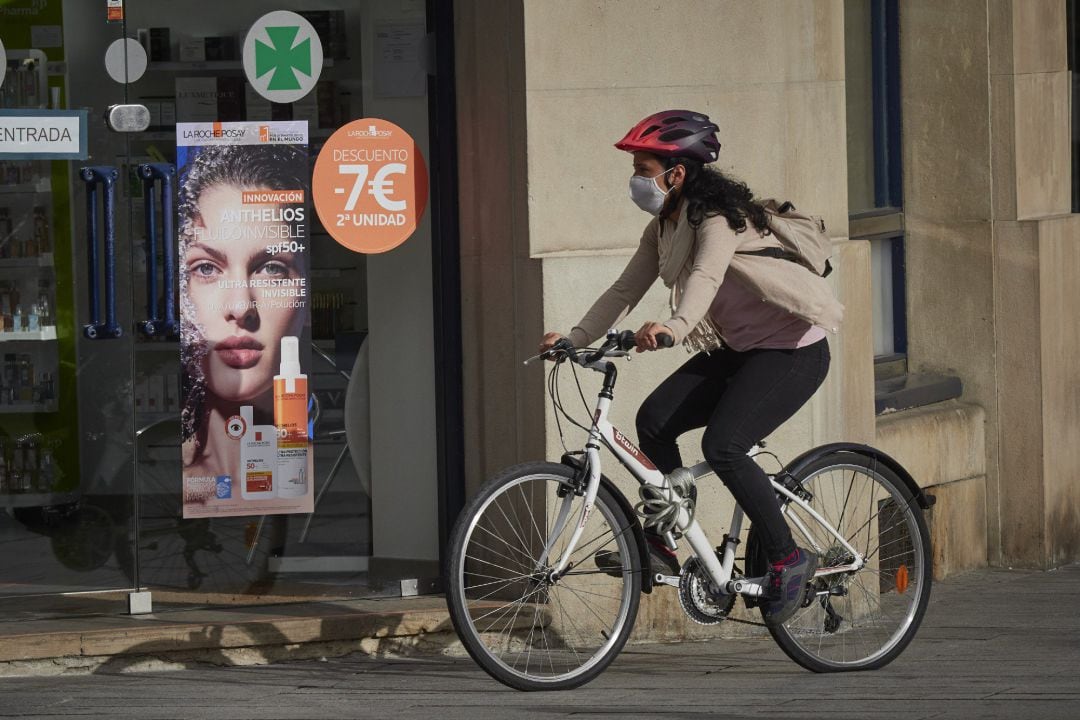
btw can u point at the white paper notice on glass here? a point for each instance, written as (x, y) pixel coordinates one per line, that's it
(400, 60)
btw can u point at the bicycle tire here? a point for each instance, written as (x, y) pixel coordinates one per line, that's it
(858, 635)
(571, 607)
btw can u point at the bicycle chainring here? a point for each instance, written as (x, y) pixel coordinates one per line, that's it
(698, 601)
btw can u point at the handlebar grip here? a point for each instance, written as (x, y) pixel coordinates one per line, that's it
(627, 341)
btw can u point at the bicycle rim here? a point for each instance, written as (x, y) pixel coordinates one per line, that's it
(522, 629)
(858, 620)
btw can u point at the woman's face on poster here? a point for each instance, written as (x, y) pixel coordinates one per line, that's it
(241, 318)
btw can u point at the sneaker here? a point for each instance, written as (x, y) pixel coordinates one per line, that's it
(787, 581)
(661, 558)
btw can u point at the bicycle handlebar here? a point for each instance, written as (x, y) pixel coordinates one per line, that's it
(616, 345)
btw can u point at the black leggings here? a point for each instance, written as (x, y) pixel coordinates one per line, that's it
(739, 398)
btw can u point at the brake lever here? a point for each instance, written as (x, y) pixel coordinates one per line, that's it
(563, 346)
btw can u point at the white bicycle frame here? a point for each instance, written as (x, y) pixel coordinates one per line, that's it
(719, 570)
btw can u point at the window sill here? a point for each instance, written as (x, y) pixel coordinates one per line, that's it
(914, 390)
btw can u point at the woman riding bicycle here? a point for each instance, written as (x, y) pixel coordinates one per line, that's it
(757, 323)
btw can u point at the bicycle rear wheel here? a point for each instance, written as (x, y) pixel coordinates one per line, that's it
(522, 628)
(858, 620)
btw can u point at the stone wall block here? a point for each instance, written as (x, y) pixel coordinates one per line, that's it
(843, 408)
(950, 277)
(937, 444)
(945, 109)
(1059, 271)
(1038, 36)
(1000, 33)
(699, 44)
(1043, 154)
(816, 152)
(1019, 396)
(1003, 146)
(958, 526)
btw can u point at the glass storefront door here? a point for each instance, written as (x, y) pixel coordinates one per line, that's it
(66, 446)
(96, 453)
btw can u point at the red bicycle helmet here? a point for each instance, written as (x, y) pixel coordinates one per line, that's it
(674, 133)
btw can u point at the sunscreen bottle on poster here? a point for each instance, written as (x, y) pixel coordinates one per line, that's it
(258, 458)
(291, 419)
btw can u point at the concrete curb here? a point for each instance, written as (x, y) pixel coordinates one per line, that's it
(252, 636)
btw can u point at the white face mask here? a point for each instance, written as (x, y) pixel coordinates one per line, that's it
(646, 193)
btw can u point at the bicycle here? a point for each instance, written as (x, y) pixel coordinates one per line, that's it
(536, 612)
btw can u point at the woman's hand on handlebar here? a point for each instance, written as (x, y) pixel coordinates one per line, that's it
(648, 337)
(548, 342)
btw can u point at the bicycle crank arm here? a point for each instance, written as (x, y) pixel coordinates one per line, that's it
(662, 579)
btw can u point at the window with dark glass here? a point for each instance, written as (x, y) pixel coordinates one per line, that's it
(875, 179)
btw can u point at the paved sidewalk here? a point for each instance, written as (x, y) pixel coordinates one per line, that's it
(995, 644)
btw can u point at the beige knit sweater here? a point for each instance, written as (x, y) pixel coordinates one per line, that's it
(783, 283)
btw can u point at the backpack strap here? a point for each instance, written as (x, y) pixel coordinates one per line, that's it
(781, 254)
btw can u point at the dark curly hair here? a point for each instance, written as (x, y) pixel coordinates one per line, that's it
(709, 192)
(273, 167)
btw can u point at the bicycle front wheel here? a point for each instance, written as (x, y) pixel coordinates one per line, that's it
(522, 626)
(859, 620)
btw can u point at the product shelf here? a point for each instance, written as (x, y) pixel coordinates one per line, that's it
(41, 186)
(43, 260)
(170, 346)
(44, 334)
(187, 65)
(27, 408)
(170, 135)
(35, 499)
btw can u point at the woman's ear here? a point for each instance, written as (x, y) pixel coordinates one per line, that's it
(678, 176)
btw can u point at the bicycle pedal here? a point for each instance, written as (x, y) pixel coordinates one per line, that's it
(661, 579)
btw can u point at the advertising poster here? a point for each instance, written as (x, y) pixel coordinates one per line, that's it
(243, 217)
(370, 185)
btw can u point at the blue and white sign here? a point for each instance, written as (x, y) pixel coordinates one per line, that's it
(43, 135)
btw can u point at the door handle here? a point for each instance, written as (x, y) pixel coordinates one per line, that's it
(160, 176)
(102, 177)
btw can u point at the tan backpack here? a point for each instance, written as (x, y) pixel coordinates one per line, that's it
(802, 236)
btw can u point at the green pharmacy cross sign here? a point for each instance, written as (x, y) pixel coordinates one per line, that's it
(283, 56)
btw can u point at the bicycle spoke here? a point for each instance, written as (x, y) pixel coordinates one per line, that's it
(509, 606)
(510, 627)
(525, 545)
(527, 506)
(493, 592)
(530, 594)
(587, 605)
(488, 562)
(504, 556)
(581, 547)
(568, 618)
(590, 592)
(843, 508)
(613, 538)
(592, 572)
(523, 551)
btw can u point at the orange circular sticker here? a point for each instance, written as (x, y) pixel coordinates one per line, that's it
(370, 185)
